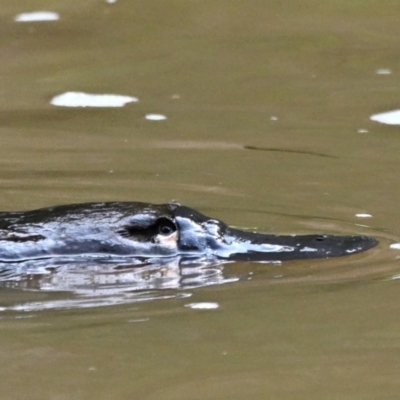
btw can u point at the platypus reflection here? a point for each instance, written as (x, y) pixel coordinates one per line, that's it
(146, 230)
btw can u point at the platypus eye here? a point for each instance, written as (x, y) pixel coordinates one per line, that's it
(145, 233)
(165, 226)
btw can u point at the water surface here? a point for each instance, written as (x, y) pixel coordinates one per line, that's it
(265, 124)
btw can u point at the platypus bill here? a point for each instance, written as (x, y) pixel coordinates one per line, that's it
(131, 229)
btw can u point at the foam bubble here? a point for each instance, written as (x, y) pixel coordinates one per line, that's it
(155, 117)
(37, 16)
(202, 306)
(80, 99)
(383, 71)
(389, 118)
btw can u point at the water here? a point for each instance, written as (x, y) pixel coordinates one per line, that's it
(265, 124)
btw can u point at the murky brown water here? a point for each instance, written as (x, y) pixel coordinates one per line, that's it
(294, 83)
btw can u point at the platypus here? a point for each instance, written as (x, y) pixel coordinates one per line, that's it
(133, 229)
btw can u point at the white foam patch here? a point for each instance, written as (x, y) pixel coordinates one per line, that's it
(383, 71)
(202, 306)
(155, 117)
(37, 16)
(80, 99)
(362, 131)
(364, 215)
(389, 118)
(111, 1)
(395, 246)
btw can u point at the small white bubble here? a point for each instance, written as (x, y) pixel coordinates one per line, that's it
(362, 130)
(395, 246)
(111, 1)
(273, 118)
(155, 117)
(37, 16)
(361, 215)
(176, 96)
(202, 306)
(383, 71)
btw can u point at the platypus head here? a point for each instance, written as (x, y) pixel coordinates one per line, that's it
(147, 230)
(173, 229)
